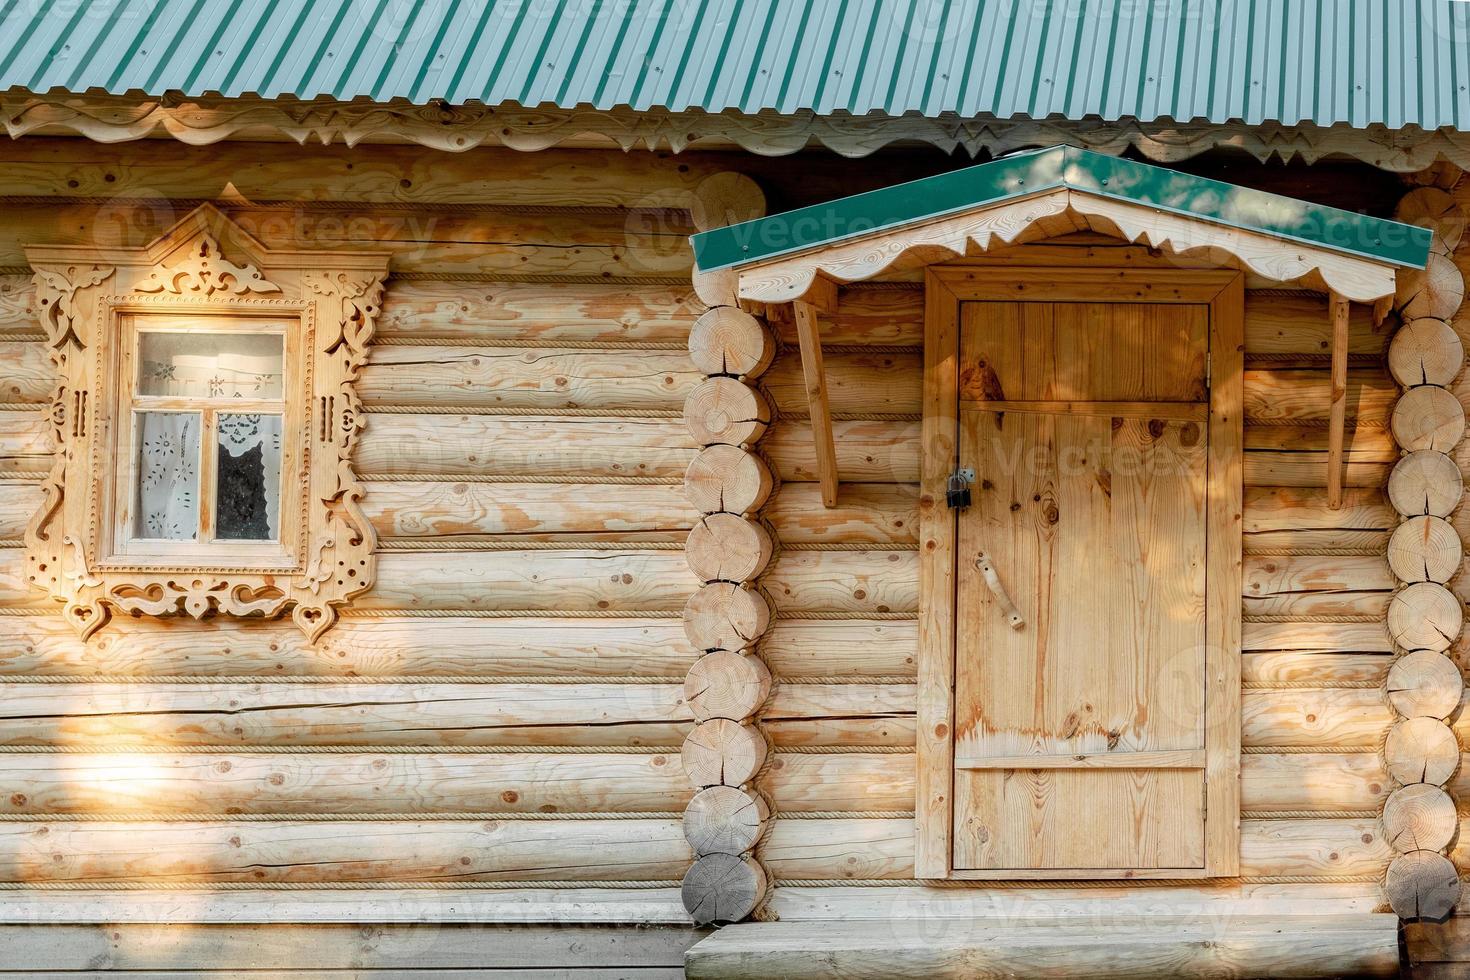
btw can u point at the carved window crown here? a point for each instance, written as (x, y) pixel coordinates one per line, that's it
(204, 418)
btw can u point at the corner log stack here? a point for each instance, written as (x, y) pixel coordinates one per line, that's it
(727, 550)
(1424, 686)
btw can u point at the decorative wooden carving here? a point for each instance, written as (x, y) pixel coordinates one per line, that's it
(788, 278)
(329, 300)
(198, 122)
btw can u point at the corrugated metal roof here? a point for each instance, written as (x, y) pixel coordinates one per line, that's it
(1040, 171)
(1396, 62)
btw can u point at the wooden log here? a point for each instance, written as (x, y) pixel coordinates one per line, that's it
(1424, 684)
(492, 445)
(727, 478)
(449, 648)
(1315, 585)
(822, 904)
(873, 513)
(895, 730)
(528, 378)
(1289, 668)
(1425, 616)
(875, 381)
(718, 287)
(723, 753)
(725, 820)
(1305, 394)
(725, 616)
(1435, 291)
(376, 173)
(541, 580)
(1366, 637)
(1273, 509)
(1425, 352)
(524, 511)
(727, 340)
(727, 547)
(1425, 549)
(153, 715)
(18, 502)
(884, 848)
(1426, 482)
(1368, 441)
(726, 198)
(26, 444)
(725, 684)
(473, 242)
(727, 412)
(406, 850)
(1428, 417)
(362, 934)
(1421, 750)
(563, 312)
(1312, 781)
(855, 581)
(1422, 885)
(1141, 945)
(1420, 817)
(173, 784)
(1432, 208)
(29, 374)
(842, 781)
(867, 452)
(797, 648)
(1313, 718)
(723, 888)
(1309, 469)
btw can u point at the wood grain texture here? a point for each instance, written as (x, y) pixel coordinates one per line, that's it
(480, 444)
(1359, 945)
(164, 783)
(509, 648)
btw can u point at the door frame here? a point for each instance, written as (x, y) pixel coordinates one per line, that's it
(945, 288)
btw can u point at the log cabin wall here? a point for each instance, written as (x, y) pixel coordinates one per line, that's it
(506, 708)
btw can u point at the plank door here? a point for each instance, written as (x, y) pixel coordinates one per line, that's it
(1080, 732)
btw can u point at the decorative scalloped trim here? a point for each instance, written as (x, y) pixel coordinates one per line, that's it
(112, 119)
(1279, 260)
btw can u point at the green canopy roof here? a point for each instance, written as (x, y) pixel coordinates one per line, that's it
(1062, 167)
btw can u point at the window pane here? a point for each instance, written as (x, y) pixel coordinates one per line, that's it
(248, 490)
(167, 501)
(210, 365)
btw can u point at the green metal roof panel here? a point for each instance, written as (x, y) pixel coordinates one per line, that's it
(1025, 174)
(1394, 62)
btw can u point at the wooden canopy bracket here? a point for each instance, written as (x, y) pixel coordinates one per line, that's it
(1337, 412)
(809, 336)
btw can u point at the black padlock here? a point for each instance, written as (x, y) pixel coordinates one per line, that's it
(957, 494)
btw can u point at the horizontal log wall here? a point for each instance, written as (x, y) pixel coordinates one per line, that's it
(508, 704)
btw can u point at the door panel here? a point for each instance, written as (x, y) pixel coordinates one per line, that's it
(1094, 520)
(1095, 351)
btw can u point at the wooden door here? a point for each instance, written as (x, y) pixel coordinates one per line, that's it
(1080, 734)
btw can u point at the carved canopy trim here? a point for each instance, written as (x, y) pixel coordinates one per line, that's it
(1058, 212)
(112, 119)
(334, 299)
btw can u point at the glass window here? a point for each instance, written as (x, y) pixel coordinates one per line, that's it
(167, 501)
(207, 406)
(210, 365)
(248, 478)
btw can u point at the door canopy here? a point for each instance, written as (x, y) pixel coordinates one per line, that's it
(1056, 191)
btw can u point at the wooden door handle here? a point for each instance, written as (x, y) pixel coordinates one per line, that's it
(992, 580)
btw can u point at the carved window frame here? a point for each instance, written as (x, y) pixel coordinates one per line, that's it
(206, 266)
